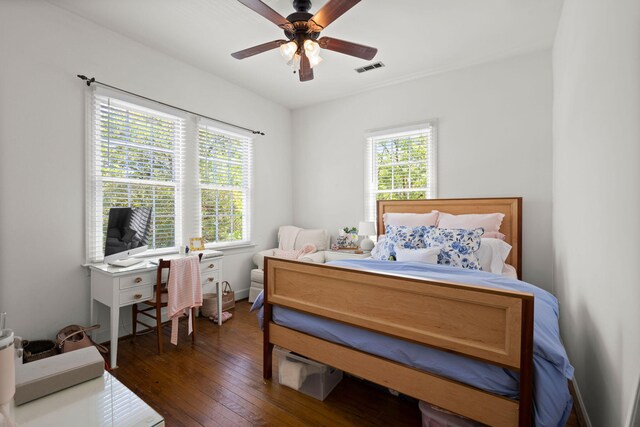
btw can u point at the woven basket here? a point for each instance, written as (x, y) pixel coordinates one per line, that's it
(209, 305)
(39, 349)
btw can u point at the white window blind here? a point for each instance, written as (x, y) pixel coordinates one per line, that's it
(196, 178)
(225, 184)
(400, 164)
(136, 160)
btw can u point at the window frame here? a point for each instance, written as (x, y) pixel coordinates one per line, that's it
(248, 197)
(187, 182)
(371, 188)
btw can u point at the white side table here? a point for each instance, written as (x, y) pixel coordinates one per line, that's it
(342, 255)
(103, 401)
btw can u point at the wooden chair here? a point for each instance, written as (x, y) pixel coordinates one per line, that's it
(157, 302)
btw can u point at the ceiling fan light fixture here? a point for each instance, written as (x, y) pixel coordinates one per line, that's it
(301, 51)
(312, 50)
(294, 62)
(288, 50)
(314, 60)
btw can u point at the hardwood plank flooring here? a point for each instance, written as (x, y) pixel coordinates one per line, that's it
(218, 382)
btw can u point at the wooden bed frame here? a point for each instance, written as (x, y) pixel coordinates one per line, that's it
(489, 325)
(511, 226)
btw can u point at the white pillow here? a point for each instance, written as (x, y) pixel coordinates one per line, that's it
(411, 219)
(492, 254)
(426, 255)
(317, 237)
(376, 252)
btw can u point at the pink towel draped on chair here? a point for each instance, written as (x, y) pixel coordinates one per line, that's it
(185, 291)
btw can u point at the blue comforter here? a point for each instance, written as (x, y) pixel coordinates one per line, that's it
(552, 401)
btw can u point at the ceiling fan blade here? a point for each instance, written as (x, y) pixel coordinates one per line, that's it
(328, 13)
(241, 54)
(306, 72)
(273, 16)
(348, 48)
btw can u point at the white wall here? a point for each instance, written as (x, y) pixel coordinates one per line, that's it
(596, 202)
(42, 48)
(494, 140)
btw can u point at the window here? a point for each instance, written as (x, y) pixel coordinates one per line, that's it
(141, 156)
(225, 165)
(400, 164)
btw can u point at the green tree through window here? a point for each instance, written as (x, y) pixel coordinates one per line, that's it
(401, 166)
(195, 177)
(138, 153)
(224, 162)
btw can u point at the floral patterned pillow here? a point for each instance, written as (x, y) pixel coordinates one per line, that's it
(459, 246)
(402, 236)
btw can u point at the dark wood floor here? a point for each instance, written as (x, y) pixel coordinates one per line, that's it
(218, 382)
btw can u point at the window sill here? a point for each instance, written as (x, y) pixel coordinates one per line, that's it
(224, 247)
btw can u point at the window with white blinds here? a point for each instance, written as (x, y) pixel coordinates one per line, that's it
(225, 184)
(400, 164)
(142, 157)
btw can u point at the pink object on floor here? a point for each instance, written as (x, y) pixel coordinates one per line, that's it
(185, 291)
(225, 316)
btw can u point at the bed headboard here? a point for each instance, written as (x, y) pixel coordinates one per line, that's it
(511, 207)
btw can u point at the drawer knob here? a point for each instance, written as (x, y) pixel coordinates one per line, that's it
(211, 265)
(137, 296)
(138, 279)
(210, 279)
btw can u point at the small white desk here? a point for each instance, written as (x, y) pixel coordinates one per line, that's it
(103, 401)
(117, 287)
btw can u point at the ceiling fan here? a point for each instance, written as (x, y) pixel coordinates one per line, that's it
(302, 29)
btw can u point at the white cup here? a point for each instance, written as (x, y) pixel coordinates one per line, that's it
(7, 367)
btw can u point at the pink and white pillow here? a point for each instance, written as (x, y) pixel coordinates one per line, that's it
(489, 222)
(494, 235)
(411, 219)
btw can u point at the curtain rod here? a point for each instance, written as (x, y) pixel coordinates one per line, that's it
(91, 80)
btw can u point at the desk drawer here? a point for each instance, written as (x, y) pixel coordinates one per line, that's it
(209, 280)
(210, 277)
(210, 265)
(139, 294)
(141, 279)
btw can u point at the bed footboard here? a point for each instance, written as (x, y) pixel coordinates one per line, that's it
(490, 325)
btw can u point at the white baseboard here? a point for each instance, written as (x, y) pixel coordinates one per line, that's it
(244, 293)
(581, 402)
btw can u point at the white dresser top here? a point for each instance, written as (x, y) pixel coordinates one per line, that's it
(103, 401)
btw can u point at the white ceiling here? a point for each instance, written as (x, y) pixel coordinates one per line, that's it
(414, 38)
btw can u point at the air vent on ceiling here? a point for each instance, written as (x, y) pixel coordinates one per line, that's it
(370, 67)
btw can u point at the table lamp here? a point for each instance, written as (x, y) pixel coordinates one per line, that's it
(366, 229)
